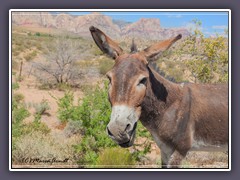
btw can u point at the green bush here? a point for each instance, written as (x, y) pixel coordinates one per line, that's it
(209, 56)
(37, 34)
(15, 86)
(66, 110)
(19, 113)
(115, 158)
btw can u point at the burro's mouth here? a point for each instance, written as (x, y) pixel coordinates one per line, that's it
(122, 125)
(130, 142)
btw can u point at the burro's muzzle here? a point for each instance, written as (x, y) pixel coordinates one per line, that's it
(122, 125)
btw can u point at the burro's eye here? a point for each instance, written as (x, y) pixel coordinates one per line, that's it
(142, 81)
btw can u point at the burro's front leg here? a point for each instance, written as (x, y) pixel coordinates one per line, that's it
(176, 159)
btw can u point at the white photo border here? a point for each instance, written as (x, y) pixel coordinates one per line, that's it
(117, 10)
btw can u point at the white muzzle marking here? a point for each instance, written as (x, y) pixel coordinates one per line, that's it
(123, 119)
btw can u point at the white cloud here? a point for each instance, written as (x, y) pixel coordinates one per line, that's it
(175, 16)
(220, 27)
(170, 15)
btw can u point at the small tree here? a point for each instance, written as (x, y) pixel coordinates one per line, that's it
(209, 56)
(60, 62)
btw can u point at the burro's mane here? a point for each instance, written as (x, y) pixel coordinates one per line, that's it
(161, 72)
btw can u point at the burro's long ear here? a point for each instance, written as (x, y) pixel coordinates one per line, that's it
(106, 44)
(153, 52)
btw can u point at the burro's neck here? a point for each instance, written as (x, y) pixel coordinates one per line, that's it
(160, 94)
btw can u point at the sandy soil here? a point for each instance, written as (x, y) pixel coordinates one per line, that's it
(35, 96)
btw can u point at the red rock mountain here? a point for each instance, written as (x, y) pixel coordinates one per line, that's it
(145, 28)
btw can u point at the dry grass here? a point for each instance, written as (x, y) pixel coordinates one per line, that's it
(44, 147)
(206, 160)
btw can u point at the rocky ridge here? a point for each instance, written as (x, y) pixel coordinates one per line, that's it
(145, 28)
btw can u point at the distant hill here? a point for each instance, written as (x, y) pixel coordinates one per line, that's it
(145, 28)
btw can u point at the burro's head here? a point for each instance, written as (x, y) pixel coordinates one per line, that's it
(129, 79)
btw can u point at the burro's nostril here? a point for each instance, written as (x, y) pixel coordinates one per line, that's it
(128, 128)
(109, 132)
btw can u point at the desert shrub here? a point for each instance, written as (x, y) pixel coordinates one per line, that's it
(173, 70)
(42, 107)
(45, 86)
(19, 113)
(105, 65)
(30, 56)
(33, 127)
(37, 34)
(115, 158)
(63, 87)
(87, 87)
(18, 97)
(19, 128)
(209, 56)
(66, 109)
(73, 127)
(177, 74)
(41, 146)
(15, 85)
(15, 52)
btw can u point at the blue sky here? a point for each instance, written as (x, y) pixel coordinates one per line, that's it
(212, 22)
